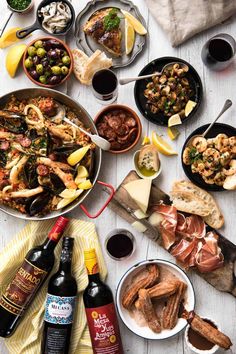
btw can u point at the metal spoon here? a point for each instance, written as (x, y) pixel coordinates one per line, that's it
(96, 139)
(227, 105)
(137, 78)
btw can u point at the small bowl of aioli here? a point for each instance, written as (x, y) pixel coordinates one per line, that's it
(143, 172)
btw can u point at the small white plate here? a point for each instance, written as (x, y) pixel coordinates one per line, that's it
(146, 332)
(135, 159)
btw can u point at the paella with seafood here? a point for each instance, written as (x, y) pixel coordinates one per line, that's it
(214, 159)
(45, 163)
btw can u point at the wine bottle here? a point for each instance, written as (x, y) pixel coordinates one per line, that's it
(28, 279)
(60, 304)
(100, 310)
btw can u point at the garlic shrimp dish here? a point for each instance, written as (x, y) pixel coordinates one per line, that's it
(214, 159)
(45, 163)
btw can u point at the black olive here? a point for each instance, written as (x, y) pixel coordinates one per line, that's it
(36, 60)
(34, 74)
(55, 79)
(52, 43)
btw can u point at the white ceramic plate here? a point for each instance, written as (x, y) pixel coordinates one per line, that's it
(146, 332)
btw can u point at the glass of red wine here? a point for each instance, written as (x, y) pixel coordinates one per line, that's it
(120, 244)
(105, 86)
(218, 52)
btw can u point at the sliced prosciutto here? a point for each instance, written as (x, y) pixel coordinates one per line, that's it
(167, 227)
(188, 240)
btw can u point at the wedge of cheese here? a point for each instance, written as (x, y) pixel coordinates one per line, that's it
(139, 190)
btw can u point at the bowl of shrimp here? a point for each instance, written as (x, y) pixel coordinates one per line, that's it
(210, 162)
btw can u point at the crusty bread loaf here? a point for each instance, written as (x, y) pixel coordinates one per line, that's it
(85, 67)
(214, 218)
(188, 203)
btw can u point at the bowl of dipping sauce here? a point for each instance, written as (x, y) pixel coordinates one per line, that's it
(198, 344)
(142, 170)
(120, 244)
(20, 6)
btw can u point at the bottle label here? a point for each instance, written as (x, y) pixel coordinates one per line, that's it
(92, 266)
(104, 329)
(56, 341)
(22, 288)
(59, 310)
(58, 228)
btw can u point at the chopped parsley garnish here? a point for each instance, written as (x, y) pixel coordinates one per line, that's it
(111, 21)
(194, 155)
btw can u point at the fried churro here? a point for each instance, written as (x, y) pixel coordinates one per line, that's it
(131, 294)
(170, 311)
(148, 311)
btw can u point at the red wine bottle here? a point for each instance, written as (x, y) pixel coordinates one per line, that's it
(28, 279)
(60, 304)
(100, 310)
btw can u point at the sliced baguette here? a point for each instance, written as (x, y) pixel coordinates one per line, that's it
(80, 63)
(188, 203)
(215, 218)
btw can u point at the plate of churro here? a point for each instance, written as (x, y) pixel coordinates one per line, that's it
(151, 298)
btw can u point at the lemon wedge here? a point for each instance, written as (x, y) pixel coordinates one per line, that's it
(13, 58)
(9, 37)
(162, 146)
(79, 180)
(174, 120)
(189, 107)
(146, 140)
(85, 185)
(129, 37)
(64, 202)
(77, 155)
(137, 25)
(172, 133)
(70, 193)
(82, 172)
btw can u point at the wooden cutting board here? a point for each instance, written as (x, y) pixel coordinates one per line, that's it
(122, 204)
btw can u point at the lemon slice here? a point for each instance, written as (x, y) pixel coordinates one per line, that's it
(9, 37)
(70, 193)
(77, 155)
(137, 25)
(172, 133)
(189, 107)
(82, 172)
(79, 180)
(129, 37)
(85, 185)
(64, 202)
(174, 120)
(146, 140)
(13, 58)
(162, 145)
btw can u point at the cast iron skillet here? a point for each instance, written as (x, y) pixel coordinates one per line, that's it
(218, 128)
(140, 86)
(38, 22)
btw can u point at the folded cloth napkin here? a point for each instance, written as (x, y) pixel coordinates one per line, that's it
(28, 335)
(182, 19)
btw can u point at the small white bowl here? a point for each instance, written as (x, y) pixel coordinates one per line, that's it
(145, 331)
(135, 159)
(213, 350)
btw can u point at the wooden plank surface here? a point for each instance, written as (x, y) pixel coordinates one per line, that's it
(217, 87)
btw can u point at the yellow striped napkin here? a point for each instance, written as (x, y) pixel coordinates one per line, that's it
(28, 335)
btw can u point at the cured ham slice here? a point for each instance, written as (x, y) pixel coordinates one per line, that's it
(167, 227)
(190, 227)
(209, 256)
(183, 250)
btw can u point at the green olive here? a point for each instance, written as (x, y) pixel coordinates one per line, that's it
(64, 70)
(43, 79)
(28, 63)
(38, 44)
(66, 60)
(32, 51)
(39, 69)
(41, 52)
(56, 70)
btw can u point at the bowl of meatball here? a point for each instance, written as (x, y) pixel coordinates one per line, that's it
(47, 62)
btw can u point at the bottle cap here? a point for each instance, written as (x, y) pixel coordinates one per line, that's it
(58, 228)
(90, 260)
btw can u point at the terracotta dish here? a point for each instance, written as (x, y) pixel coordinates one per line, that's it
(120, 125)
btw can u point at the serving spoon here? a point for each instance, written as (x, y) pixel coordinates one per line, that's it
(227, 105)
(137, 78)
(96, 139)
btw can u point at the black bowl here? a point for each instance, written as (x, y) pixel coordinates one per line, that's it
(218, 128)
(140, 86)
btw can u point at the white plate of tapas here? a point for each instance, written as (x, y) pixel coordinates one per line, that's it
(150, 297)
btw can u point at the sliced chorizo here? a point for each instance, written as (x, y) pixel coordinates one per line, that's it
(123, 130)
(25, 142)
(4, 145)
(42, 170)
(130, 121)
(115, 122)
(132, 134)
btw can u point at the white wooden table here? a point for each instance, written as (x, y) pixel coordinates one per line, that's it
(217, 87)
